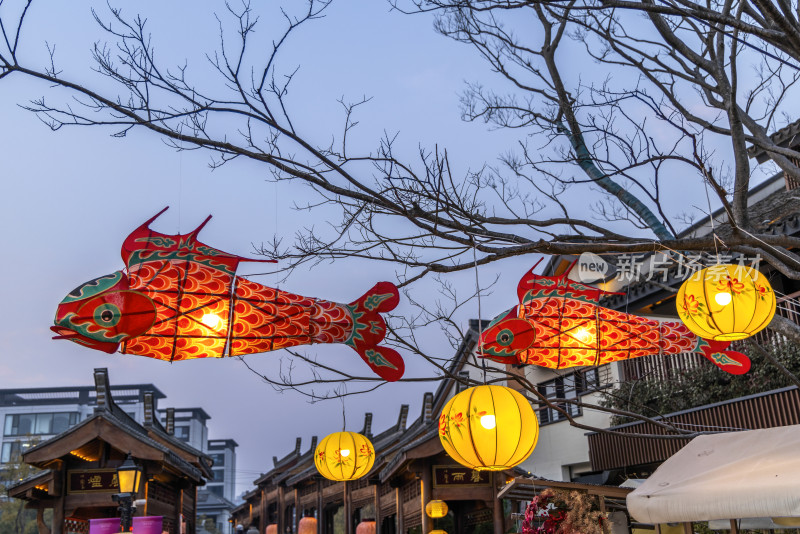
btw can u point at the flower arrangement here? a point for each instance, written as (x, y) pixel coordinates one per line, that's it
(564, 512)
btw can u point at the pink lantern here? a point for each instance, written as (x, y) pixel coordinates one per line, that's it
(366, 527)
(307, 525)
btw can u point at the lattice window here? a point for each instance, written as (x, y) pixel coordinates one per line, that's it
(410, 491)
(161, 493)
(76, 526)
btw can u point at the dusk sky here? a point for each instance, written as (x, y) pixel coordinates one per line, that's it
(72, 196)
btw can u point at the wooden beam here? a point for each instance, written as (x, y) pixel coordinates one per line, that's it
(734, 527)
(78, 436)
(461, 494)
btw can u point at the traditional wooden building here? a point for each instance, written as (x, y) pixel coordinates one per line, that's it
(410, 469)
(78, 469)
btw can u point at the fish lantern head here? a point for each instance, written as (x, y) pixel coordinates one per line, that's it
(104, 312)
(506, 336)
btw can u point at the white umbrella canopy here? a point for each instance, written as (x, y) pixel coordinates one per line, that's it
(732, 475)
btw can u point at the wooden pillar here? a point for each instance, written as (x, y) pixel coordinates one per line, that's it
(60, 478)
(658, 529)
(320, 516)
(263, 506)
(398, 495)
(734, 527)
(281, 511)
(687, 528)
(297, 511)
(348, 510)
(602, 501)
(497, 512)
(378, 508)
(424, 497)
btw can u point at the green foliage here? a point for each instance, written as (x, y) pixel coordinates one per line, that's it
(14, 517)
(703, 385)
(208, 524)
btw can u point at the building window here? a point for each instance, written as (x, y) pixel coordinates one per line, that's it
(12, 450)
(34, 424)
(216, 490)
(218, 475)
(567, 387)
(218, 459)
(182, 433)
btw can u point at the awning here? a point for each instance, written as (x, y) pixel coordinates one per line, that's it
(725, 476)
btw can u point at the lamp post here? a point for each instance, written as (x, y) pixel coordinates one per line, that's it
(128, 474)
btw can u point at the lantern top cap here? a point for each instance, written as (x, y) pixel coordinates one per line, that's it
(128, 464)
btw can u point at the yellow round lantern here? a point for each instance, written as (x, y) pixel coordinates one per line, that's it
(438, 532)
(344, 456)
(488, 428)
(726, 302)
(436, 509)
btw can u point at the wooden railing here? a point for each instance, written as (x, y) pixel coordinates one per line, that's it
(763, 410)
(668, 367)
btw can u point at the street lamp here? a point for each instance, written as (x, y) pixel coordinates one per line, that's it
(128, 474)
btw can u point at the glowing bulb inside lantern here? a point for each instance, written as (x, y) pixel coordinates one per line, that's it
(488, 422)
(211, 320)
(584, 335)
(723, 299)
(345, 452)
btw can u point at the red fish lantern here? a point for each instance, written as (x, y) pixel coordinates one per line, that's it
(180, 299)
(559, 323)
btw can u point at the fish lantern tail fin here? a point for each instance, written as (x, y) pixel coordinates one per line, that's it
(730, 361)
(369, 329)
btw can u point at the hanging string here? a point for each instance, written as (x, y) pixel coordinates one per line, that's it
(480, 313)
(341, 397)
(180, 189)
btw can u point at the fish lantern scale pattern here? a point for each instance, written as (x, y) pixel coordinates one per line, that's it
(488, 428)
(560, 323)
(344, 456)
(726, 302)
(180, 299)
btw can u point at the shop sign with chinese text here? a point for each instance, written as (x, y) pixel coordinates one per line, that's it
(456, 475)
(92, 480)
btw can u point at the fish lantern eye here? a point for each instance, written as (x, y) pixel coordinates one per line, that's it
(107, 315)
(505, 337)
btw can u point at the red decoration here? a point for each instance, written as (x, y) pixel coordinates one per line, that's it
(559, 323)
(180, 299)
